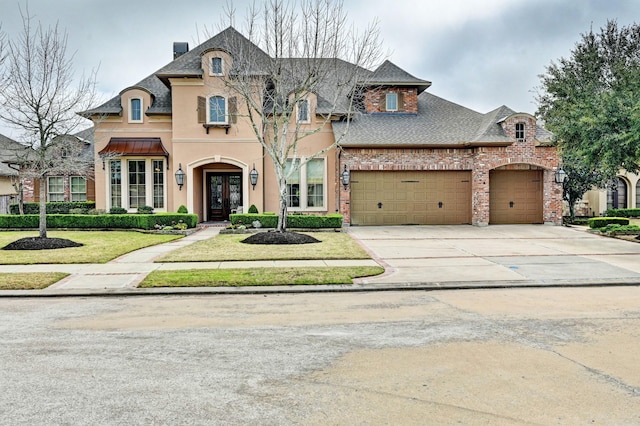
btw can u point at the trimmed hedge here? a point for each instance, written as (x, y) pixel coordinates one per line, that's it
(53, 207)
(293, 220)
(601, 222)
(622, 213)
(107, 221)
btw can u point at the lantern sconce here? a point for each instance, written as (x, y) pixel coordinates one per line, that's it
(561, 175)
(346, 176)
(253, 177)
(180, 177)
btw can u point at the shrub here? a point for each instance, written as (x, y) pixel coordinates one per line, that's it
(106, 221)
(97, 211)
(601, 222)
(57, 207)
(77, 211)
(293, 221)
(614, 229)
(145, 210)
(622, 213)
(117, 210)
(183, 209)
(253, 209)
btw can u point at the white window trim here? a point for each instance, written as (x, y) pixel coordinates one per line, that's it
(226, 110)
(71, 187)
(308, 118)
(124, 183)
(131, 120)
(49, 187)
(211, 73)
(303, 188)
(386, 101)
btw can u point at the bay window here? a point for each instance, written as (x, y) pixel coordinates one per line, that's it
(142, 183)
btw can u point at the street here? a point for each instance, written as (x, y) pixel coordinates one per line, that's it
(507, 356)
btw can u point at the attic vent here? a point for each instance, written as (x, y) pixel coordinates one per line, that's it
(180, 48)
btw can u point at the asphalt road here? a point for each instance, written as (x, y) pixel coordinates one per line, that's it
(510, 356)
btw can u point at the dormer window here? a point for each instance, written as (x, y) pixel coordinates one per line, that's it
(391, 103)
(303, 111)
(216, 66)
(135, 110)
(520, 132)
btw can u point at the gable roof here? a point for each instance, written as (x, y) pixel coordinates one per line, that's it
(389, 74)
(8, 150)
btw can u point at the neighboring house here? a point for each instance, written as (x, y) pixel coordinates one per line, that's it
(74, 185)
(623, 193)
(413, 157)
(8, 175)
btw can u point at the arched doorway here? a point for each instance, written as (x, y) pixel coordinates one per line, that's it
(617, 195)
(222, 191)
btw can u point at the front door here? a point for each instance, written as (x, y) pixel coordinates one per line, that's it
(224, 193)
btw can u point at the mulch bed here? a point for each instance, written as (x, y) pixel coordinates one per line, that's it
(279, 238)
(37, 243)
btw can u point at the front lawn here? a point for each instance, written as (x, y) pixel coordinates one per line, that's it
(29, 280)
(258, 276)
(99, 246)
(227, 247)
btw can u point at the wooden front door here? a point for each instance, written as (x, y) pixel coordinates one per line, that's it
(224, 194)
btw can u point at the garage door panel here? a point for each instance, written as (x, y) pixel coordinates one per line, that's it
(410, 197)
(515, 196)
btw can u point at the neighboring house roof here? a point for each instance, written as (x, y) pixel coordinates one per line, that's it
(439, 123)
(8, 152)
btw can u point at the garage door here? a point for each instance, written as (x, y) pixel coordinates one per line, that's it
(515, 196)
(418, 198)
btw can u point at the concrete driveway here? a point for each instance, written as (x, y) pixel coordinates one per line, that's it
(498, 254)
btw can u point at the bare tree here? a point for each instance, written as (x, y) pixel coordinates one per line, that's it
(305, 48)
(40, 100)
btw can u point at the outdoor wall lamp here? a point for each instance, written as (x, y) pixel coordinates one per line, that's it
(180, 176)
(253, 177)
(561, 175)
(346, 176)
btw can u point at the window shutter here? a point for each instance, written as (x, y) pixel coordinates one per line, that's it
(400, 101)
(202, 110)
(383, 102)
(233, 110)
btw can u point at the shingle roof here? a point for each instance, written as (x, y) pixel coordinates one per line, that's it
(8, 151)
(439, 123)
(390, 74)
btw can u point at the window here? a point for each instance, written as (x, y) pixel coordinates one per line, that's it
(78, 188)
(303, 111)
(520, 132)
(216, 66)
(391, 102)
(115, 183)
(305, 187)
(137, 187)
(217, 110)
(55, 188)
(135, 110)
(158, 184)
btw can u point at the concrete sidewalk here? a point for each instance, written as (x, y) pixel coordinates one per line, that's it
(415, 257)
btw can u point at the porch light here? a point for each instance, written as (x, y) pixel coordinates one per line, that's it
(561, 175)
(346, 176)
(253, 177)
(180, 177)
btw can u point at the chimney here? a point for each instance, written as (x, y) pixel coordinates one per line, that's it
(180, 48)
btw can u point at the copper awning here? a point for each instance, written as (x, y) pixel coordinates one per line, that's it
(135, 147)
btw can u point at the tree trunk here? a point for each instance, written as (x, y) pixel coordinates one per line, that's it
(282, 214)
(43, 208)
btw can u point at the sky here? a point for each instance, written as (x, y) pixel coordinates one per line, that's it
(481, 54)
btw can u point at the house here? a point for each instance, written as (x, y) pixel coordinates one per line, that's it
(411, 157)
(63, 184)
(622, 193)
(8, 175)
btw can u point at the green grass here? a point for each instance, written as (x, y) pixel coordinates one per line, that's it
(99, 246)
(29, 280)
(257, 276)
(333, 245)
